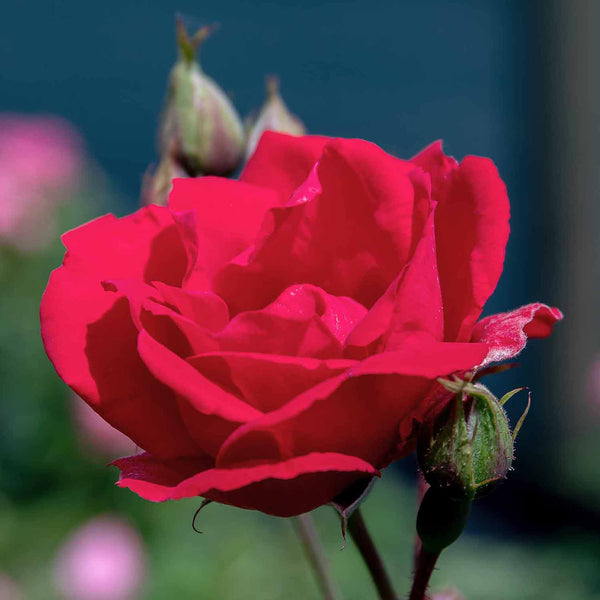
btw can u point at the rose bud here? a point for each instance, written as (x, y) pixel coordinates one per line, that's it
(469, 448)
(273, 116)
(157, 185)
(200, 126)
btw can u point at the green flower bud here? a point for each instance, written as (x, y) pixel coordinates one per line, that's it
(200, 125)
(469, 448)
(273, 116)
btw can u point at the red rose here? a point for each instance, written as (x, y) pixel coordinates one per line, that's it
(271, 340)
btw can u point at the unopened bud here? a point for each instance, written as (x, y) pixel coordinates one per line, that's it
(157, 185)
(273, 116)
(200, 126)
(469, 448)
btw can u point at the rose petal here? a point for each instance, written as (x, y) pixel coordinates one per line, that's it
(136, 292)
(162, 472)
(210, 414)
(228, 215)
(180, 334)
(506, 333)
(304, 321)
(413, 302)
(359, 412)
(471, 234)
(266, 381)
(145, 245)
(204, 308)
(351, 239)
(90, 337)
(439, 166)
(282, 489)
(282, 162)
(156, 308)
(421, 356)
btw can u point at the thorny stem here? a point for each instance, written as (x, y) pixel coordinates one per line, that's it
(307, 532)
(360, 535)
(424, 568)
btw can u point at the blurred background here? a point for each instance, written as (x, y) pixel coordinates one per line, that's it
(81, 90)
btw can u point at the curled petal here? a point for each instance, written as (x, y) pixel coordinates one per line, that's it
(439, 166)
(413, 302)
(304, 321)
(161, 317)
(181, 335)
(471, 234)
(204, 308)
(137, 292)
(284, 488)
(471, 230)
(145, 246)
(227, 217)
(282, 162)
(506, 334)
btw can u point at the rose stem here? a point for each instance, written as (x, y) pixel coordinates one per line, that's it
(422, 487)
(307, 532)
(360, 535)
(424, 568)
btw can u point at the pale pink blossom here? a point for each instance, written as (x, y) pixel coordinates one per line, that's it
(102, 560)
(40, 161)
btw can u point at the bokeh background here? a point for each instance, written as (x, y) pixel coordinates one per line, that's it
(517, 81)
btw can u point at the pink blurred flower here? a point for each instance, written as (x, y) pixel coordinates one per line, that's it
(96, 435)
(40, 159)
(102, 560)
(8, 588)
